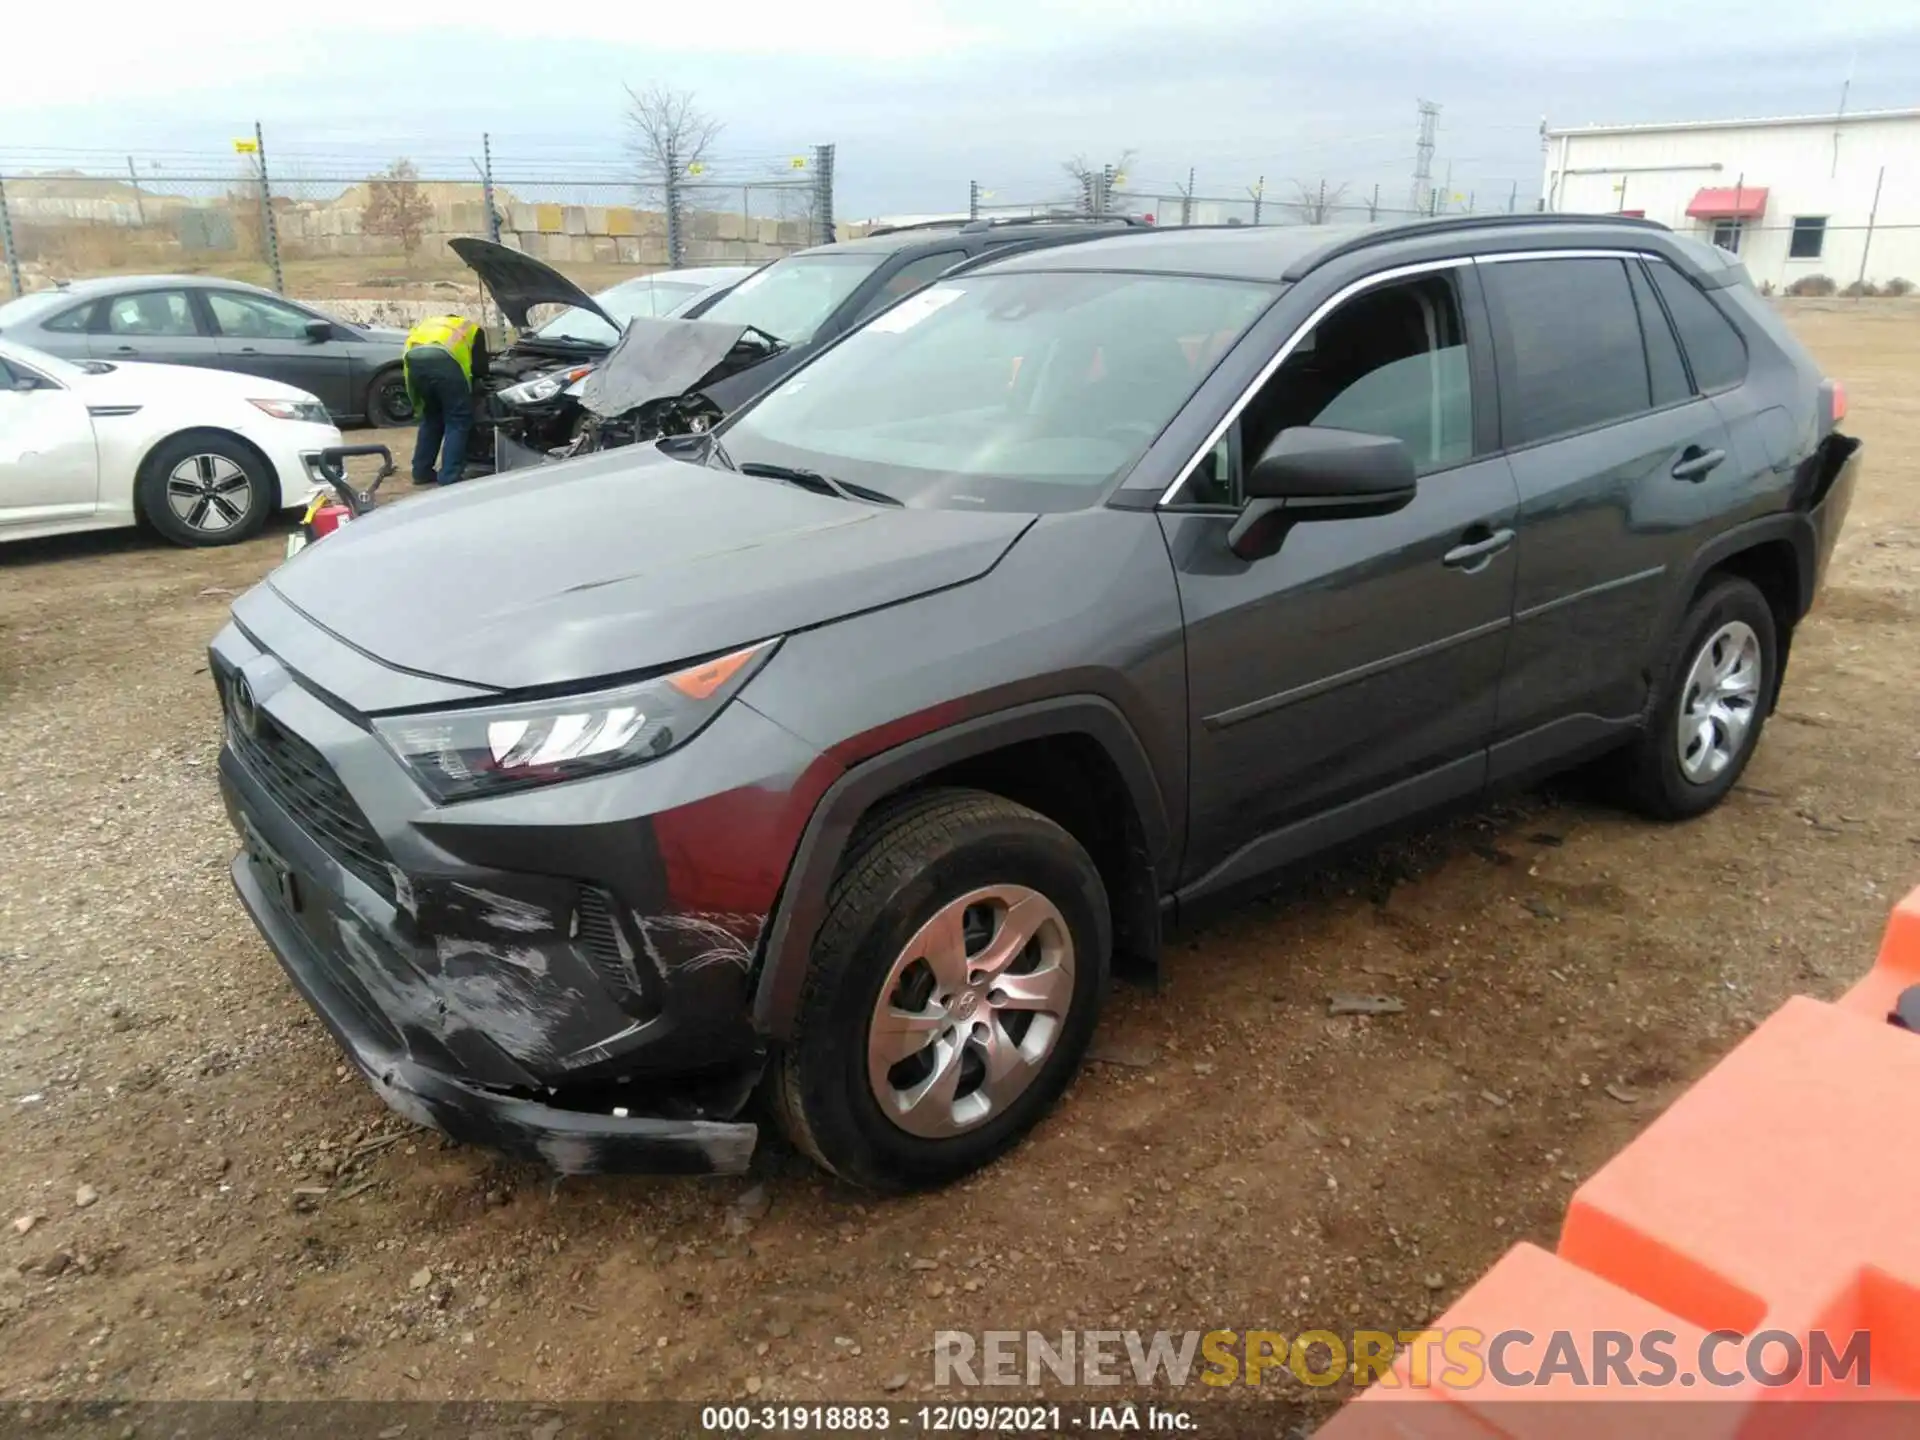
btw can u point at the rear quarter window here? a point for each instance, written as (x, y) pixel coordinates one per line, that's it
(1712, 341)
(71, 321)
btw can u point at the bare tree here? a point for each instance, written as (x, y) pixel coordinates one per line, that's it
(666, 131)
(1316, 202)
(1090, 179)
(397, 207)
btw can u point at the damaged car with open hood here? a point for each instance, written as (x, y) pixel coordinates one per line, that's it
(681, 371)
(529, 401)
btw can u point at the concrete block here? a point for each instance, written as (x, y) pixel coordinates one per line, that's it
(730, 226)
(551, 219)
(622, 220)
(606, 249)
(628, 249)
(576, 220)
(653, 250)
(767, 231)
(597, 220)
(523, 217)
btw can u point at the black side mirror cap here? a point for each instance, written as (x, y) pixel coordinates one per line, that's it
(318, 330)
(1313, 473)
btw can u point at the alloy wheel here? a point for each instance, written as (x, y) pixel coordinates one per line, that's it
(1718, 703)
(970, 1010)
(209, 493)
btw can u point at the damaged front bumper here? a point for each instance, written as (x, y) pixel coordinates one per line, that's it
(570, 1142)
(563, 973)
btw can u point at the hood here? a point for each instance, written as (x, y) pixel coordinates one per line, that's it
(518, 282)
(137, 382)
(617, 563)
(656, 359)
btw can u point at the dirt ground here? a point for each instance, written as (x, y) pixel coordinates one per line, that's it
(211, 1205)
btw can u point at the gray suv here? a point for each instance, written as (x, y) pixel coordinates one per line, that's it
(822, 767)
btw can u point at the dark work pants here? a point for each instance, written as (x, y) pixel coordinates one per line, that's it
(446, 413)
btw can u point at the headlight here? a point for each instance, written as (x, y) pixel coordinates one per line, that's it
(311, 411)
(459, 753)
(543, 387)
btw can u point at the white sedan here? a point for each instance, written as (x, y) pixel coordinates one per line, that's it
(202, 456)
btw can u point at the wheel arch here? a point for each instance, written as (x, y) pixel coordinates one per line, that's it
(159, 442)
(1777, 554)
(1074, 759)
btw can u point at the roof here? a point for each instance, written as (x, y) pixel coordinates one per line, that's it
(1282, 252)
(108, 284)
(1855, 117)
(936, 234)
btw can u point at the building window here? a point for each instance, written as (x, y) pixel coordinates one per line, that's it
(1726, 234)
(1809, 236)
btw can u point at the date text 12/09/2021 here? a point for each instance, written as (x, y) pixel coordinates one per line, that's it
(743, 1420)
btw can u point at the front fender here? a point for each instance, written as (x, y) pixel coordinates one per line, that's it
(802, 904)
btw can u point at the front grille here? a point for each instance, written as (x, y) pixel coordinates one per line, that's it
(299, 778)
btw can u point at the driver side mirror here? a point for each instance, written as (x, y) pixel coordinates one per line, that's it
(319, 330)
(1313, 473)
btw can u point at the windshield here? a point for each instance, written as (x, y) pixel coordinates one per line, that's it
(1017, 391)
(792, 298)
(49, 365)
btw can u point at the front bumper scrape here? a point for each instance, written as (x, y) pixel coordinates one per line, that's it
(572, 1142)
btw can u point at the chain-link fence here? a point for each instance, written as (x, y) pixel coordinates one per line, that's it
(1317, 203)
(321, 226)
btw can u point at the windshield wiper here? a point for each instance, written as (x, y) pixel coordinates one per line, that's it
(774, 342)
(812, 480)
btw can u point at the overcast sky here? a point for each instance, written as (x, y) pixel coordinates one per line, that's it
(922, 98)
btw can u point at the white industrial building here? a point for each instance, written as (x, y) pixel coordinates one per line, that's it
(1833, 195)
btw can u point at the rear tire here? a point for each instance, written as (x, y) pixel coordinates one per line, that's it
(204, 487)
(1001, 1015)
(1716, 685)
(387, 402)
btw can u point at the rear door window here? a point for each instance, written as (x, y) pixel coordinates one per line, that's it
(70, 322)
(1714, 347)
(148, 312)
(1568, 342)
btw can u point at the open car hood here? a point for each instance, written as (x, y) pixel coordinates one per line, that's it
(656, 359)
(519, 282)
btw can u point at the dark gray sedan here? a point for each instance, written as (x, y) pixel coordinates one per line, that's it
(222, 325)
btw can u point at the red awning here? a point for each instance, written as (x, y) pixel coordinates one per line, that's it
(1743, 202)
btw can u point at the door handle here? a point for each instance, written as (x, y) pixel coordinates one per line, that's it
(126, 349)
(1473, 555)
(248, 350)
(1694, 463)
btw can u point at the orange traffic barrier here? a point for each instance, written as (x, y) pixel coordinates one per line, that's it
(1758, 1243)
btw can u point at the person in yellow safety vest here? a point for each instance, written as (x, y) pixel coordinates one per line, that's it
(443, 354)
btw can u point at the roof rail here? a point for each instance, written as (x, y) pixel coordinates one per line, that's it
(985, 223)
(1446, 224)
(954, 224)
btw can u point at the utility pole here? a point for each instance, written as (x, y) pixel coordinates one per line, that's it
(826, 232)
(1513, 197)
(675, 243)
(973, 200)
(1423, 156)
(1186, 200)
(1259, 193)
(486, 188)
(1865, 244)
(1373, 205)
(139, 210)
(6, 242)
(268, 235)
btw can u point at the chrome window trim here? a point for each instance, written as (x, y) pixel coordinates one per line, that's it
(1339, 297)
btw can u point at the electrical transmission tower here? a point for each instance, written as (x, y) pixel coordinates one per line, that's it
(1422, 198)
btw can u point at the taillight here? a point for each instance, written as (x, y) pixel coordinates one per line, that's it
(1838, 407)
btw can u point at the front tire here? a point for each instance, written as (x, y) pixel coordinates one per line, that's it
(1716, 686)
(206, 488)
(952, 990)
